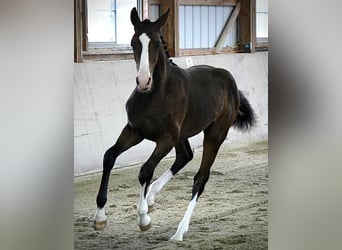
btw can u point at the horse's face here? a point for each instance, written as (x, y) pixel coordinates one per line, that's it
(146, 44)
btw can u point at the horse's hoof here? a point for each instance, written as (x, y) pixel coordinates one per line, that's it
(145, 228)
(100, 225)
(150, 209)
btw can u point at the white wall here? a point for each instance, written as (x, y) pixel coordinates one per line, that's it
(102, 88)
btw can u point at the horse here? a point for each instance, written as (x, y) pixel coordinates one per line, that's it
(168, 105)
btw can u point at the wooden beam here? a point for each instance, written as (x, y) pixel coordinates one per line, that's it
(84, 23)
(170, 30)
(210, 51)
(244, 26)
(145, 4)
(208, 2)
(227, 27)
(77, 31)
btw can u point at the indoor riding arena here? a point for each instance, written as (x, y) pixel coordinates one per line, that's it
(120, 57)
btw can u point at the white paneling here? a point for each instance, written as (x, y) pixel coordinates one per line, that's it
(227, 10)
(212, 30)
(197, 27)
(201, 25)
(188, 27)
(181, 26)
(219, 21)
(204, 27)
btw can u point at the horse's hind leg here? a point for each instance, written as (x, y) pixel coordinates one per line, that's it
(127, 139)
(184, 154)
(213, 138)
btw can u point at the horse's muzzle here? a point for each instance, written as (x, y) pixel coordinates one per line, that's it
(144, 86)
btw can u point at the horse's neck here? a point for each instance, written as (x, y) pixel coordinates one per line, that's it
(161, 69)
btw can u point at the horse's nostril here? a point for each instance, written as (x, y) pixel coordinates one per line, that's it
(137, 81)
(149, 81)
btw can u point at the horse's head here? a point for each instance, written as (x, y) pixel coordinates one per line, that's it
(146, 44)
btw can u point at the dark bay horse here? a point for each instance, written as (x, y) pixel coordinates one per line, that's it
(169, 105)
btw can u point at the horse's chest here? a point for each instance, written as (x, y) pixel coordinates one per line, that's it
(148, 120)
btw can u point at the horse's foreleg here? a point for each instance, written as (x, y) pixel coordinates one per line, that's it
(127, 139)
(184, 154)
(163, 147)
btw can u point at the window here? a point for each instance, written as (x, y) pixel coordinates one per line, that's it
(154, 12)
(109, 23)
(262, 20)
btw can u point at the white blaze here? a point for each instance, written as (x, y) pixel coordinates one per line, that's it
(144, 73)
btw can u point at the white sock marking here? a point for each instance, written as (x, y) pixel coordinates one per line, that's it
(143, 218)
(157, 185)
(100, 214)
(184, 224)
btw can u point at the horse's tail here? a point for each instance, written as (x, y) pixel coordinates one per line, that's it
(246, 117)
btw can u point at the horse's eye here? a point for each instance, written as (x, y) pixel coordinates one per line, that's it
(133, 45)
(158, 44)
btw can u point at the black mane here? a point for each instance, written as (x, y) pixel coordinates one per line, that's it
(167, 51)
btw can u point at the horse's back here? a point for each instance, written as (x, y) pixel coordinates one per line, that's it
(205, 74)
(212, 82)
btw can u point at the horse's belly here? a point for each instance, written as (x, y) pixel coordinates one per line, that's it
(194, 126)
(199, 118)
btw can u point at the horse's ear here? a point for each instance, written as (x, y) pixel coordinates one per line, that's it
(135, 17)
(162, 20)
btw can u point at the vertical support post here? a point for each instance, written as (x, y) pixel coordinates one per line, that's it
(84, 18)
(77, 31)
(253, 24)
(170, 30)
(245, 31)
(145, 6)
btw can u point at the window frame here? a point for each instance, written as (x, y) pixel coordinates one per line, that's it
(105, 51)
